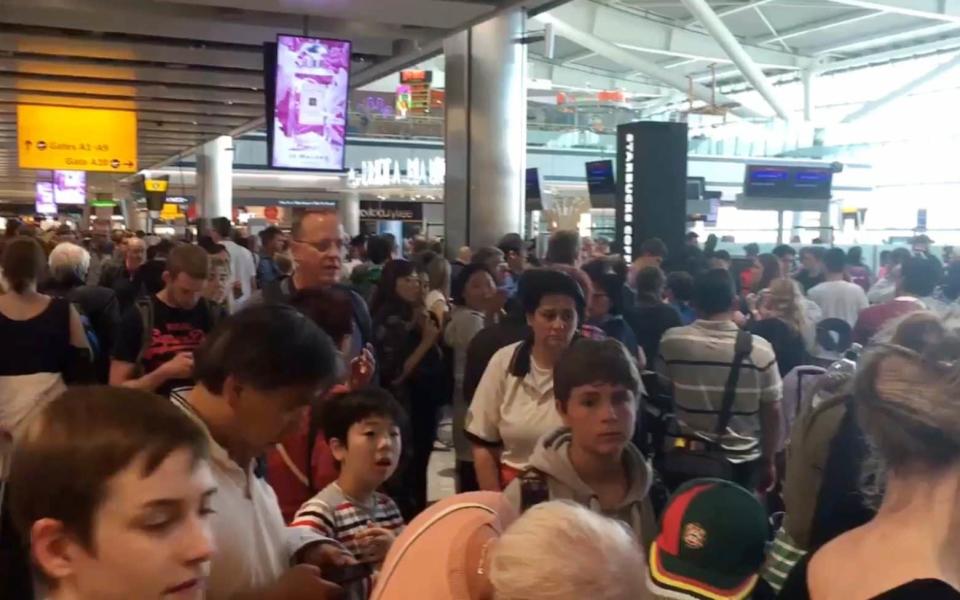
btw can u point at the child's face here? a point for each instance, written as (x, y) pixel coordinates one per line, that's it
(372, 451)
(151, 536)
(601, 417)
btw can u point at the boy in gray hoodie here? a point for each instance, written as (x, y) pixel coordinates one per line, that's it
(591, 460)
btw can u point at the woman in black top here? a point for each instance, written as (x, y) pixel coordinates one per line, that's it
(406, 340)
(44, 343)
(42, 346)
(778, 319)
(905, 402)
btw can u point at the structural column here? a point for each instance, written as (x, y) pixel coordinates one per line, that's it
(809, 80)
(486, 132)
(215, 179)
(349, 209)
(131, 216)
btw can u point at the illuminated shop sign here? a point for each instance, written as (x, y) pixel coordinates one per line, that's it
(416, 76)
(386, 172)
(391, 211)
(625, 218)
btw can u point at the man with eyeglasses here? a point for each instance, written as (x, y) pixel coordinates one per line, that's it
(317, 243)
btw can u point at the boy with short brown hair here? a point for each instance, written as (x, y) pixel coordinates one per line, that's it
(591, 460)
(111, 487)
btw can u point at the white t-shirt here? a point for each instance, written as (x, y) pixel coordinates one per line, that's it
(242, 269)
(839, 300)
(511, 411)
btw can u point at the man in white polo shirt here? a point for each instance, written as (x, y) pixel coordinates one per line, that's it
(255, 375)
(243, 267)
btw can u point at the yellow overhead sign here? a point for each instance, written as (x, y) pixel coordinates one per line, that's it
(76, 139)
(170, 212)
(156, 185)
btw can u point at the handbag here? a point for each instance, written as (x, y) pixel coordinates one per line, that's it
(694, 458)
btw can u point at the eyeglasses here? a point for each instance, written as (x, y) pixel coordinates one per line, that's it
(323, 245)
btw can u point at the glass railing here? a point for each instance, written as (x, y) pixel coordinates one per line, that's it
(737, 138)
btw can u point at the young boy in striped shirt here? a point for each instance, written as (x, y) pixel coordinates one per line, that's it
(363, 430)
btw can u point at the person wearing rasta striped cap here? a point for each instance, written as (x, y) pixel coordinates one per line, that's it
(711, 543)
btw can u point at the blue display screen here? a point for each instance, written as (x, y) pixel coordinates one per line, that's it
(788, 182)
(534, 193)
(600, 177)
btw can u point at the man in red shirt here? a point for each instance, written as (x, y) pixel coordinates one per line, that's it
(918, 278)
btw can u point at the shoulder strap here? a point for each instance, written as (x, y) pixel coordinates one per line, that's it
(742, 349)
(534, 489)
(144, 307)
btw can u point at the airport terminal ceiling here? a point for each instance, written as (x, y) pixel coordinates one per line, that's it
(192, 69)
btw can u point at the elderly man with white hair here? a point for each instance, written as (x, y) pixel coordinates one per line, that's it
(68, 264)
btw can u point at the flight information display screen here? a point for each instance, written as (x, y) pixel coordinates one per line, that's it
(769, 181)
(601, 184)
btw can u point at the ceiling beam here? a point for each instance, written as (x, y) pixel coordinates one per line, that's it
(586, 78)
(818, 26)
(882, 57)
(129, 90)
(186, 107)
(777, 37)
(122, 50)
(730, 11)
(628, 59)
(88, 69)
(945, 10)
(893, 37)
(903, 90)
(577, 56)
(634, 32)
(731, 46)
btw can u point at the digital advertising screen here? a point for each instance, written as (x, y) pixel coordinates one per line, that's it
(70, 187)
(311, 82)
(45, 204)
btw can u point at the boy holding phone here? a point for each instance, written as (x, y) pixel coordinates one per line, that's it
(363, 430)
(591, 460)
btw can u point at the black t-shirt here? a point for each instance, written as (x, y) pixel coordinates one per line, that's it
(175, 330)
(795, 587)
(787, 342)
(649, 321)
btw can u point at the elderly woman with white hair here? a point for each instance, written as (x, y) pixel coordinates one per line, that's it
(563, 551)
(98, 306)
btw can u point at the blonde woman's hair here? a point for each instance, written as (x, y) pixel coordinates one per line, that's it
(907, 394)
(563, 551)
(783, 300)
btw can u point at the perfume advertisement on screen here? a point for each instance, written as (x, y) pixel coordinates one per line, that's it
(70, 187)
(310, 104)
